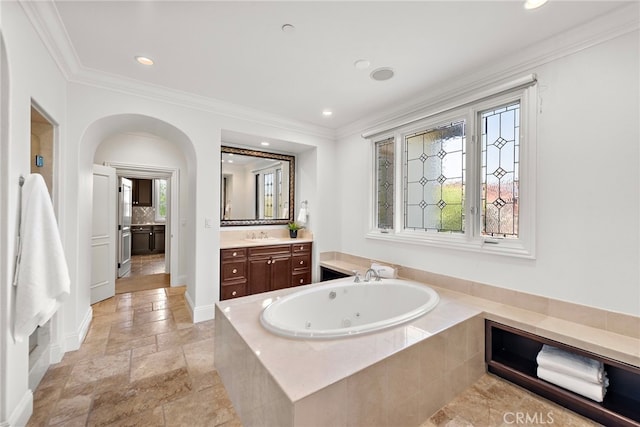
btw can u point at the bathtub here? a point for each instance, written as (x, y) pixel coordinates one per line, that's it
(343, 308)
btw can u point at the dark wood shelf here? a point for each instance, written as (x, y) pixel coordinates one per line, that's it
(511, 354)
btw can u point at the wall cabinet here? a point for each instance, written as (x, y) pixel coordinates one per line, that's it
(511, 354)
(147, 239)
(257, 269)
(142, 192)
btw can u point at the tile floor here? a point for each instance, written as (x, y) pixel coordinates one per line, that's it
(146, 264)
(143, 363)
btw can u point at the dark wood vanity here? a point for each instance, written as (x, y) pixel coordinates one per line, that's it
(248, 270)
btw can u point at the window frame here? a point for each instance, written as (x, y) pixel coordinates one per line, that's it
(156, 199)
(471, 239)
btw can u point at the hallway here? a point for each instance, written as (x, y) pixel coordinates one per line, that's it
(143, 363)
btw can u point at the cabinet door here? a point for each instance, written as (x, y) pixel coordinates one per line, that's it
(158, 239)
(140, 243)
(259, 274)
(280, 272)
(145, 192)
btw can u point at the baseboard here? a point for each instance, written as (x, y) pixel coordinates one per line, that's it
(73, 340)
(21, 414)
(178, 280)
(200, 314)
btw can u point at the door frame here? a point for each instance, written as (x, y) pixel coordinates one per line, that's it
(172, 230)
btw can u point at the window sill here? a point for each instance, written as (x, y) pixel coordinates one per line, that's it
(456, 242)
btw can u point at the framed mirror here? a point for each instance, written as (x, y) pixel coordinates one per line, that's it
(257, 187)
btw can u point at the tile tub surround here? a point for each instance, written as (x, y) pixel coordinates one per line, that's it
(398, 376)
(610, 334)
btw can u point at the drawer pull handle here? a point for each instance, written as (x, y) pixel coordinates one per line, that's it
(235, 270)
(301, 262)
(234, 293)
(235, 253)
(301, 281)
(301, 247)
(269, 262)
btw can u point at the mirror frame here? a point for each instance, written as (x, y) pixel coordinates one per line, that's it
(292, 180)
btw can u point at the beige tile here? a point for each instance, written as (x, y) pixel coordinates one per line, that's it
(157, 363)
(99, 368)
(199, 356)
(579, 314)
(623, 324)
(197, 409)
(312, 411)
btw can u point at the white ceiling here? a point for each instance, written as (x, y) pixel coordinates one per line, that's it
(236, 52)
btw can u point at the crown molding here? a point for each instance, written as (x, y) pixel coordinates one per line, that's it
(619, 22)
(46, 21)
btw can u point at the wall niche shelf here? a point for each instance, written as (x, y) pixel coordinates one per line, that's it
(511, 354)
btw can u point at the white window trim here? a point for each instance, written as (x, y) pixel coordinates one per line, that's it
(156, 200)
(522, 247)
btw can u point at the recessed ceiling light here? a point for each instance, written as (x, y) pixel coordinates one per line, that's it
(362, 64)
(327, 113)
(288, 28)
(382, 74)
(533, 4)
(265, 143)
(144, 60)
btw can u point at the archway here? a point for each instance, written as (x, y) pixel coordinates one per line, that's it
(107, 128)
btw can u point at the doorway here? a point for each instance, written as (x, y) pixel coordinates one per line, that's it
(144, 228)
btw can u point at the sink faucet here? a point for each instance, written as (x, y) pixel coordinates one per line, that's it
(367, 275)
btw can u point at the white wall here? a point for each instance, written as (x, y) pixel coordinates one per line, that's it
(148, 150)
(587, 183)
(31, 76)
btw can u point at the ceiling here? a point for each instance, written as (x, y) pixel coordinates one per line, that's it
(237, 53)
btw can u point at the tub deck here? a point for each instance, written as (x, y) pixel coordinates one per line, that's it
(284, 381)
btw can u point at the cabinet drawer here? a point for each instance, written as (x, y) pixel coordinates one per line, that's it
(300, 278)
(301, 262)
(270, 250)
(233, 291)
(301, 247)
(233, 270)
(233, 253)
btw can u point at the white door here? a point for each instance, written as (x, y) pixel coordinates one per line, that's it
(103, 235)
(124, 227)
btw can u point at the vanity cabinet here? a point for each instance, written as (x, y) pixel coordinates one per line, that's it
(233, 273)
(256, 269)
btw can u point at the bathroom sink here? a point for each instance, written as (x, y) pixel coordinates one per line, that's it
(262, 239)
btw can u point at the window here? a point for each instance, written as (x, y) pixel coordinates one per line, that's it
(467, 176)
(160, 199)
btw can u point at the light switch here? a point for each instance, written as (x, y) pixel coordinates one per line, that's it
(208, 223)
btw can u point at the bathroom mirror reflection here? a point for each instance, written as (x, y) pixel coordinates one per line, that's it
(257, 187)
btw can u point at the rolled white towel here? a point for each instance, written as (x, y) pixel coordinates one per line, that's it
(384, 271)
(584, 388)
(571, 364)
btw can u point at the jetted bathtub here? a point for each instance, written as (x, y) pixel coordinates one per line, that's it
(344, 308)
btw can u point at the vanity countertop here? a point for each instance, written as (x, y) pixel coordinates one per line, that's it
(240, 243)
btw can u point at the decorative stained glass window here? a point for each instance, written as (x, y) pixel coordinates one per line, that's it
(434, 179)
(268, 195)
(384, 152)
(500, 170)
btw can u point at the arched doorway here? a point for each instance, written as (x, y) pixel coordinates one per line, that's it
(104, 143)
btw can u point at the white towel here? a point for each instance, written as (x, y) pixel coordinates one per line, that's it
(41, 276)
(585, 388)
(384, 271)
(571, 364)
